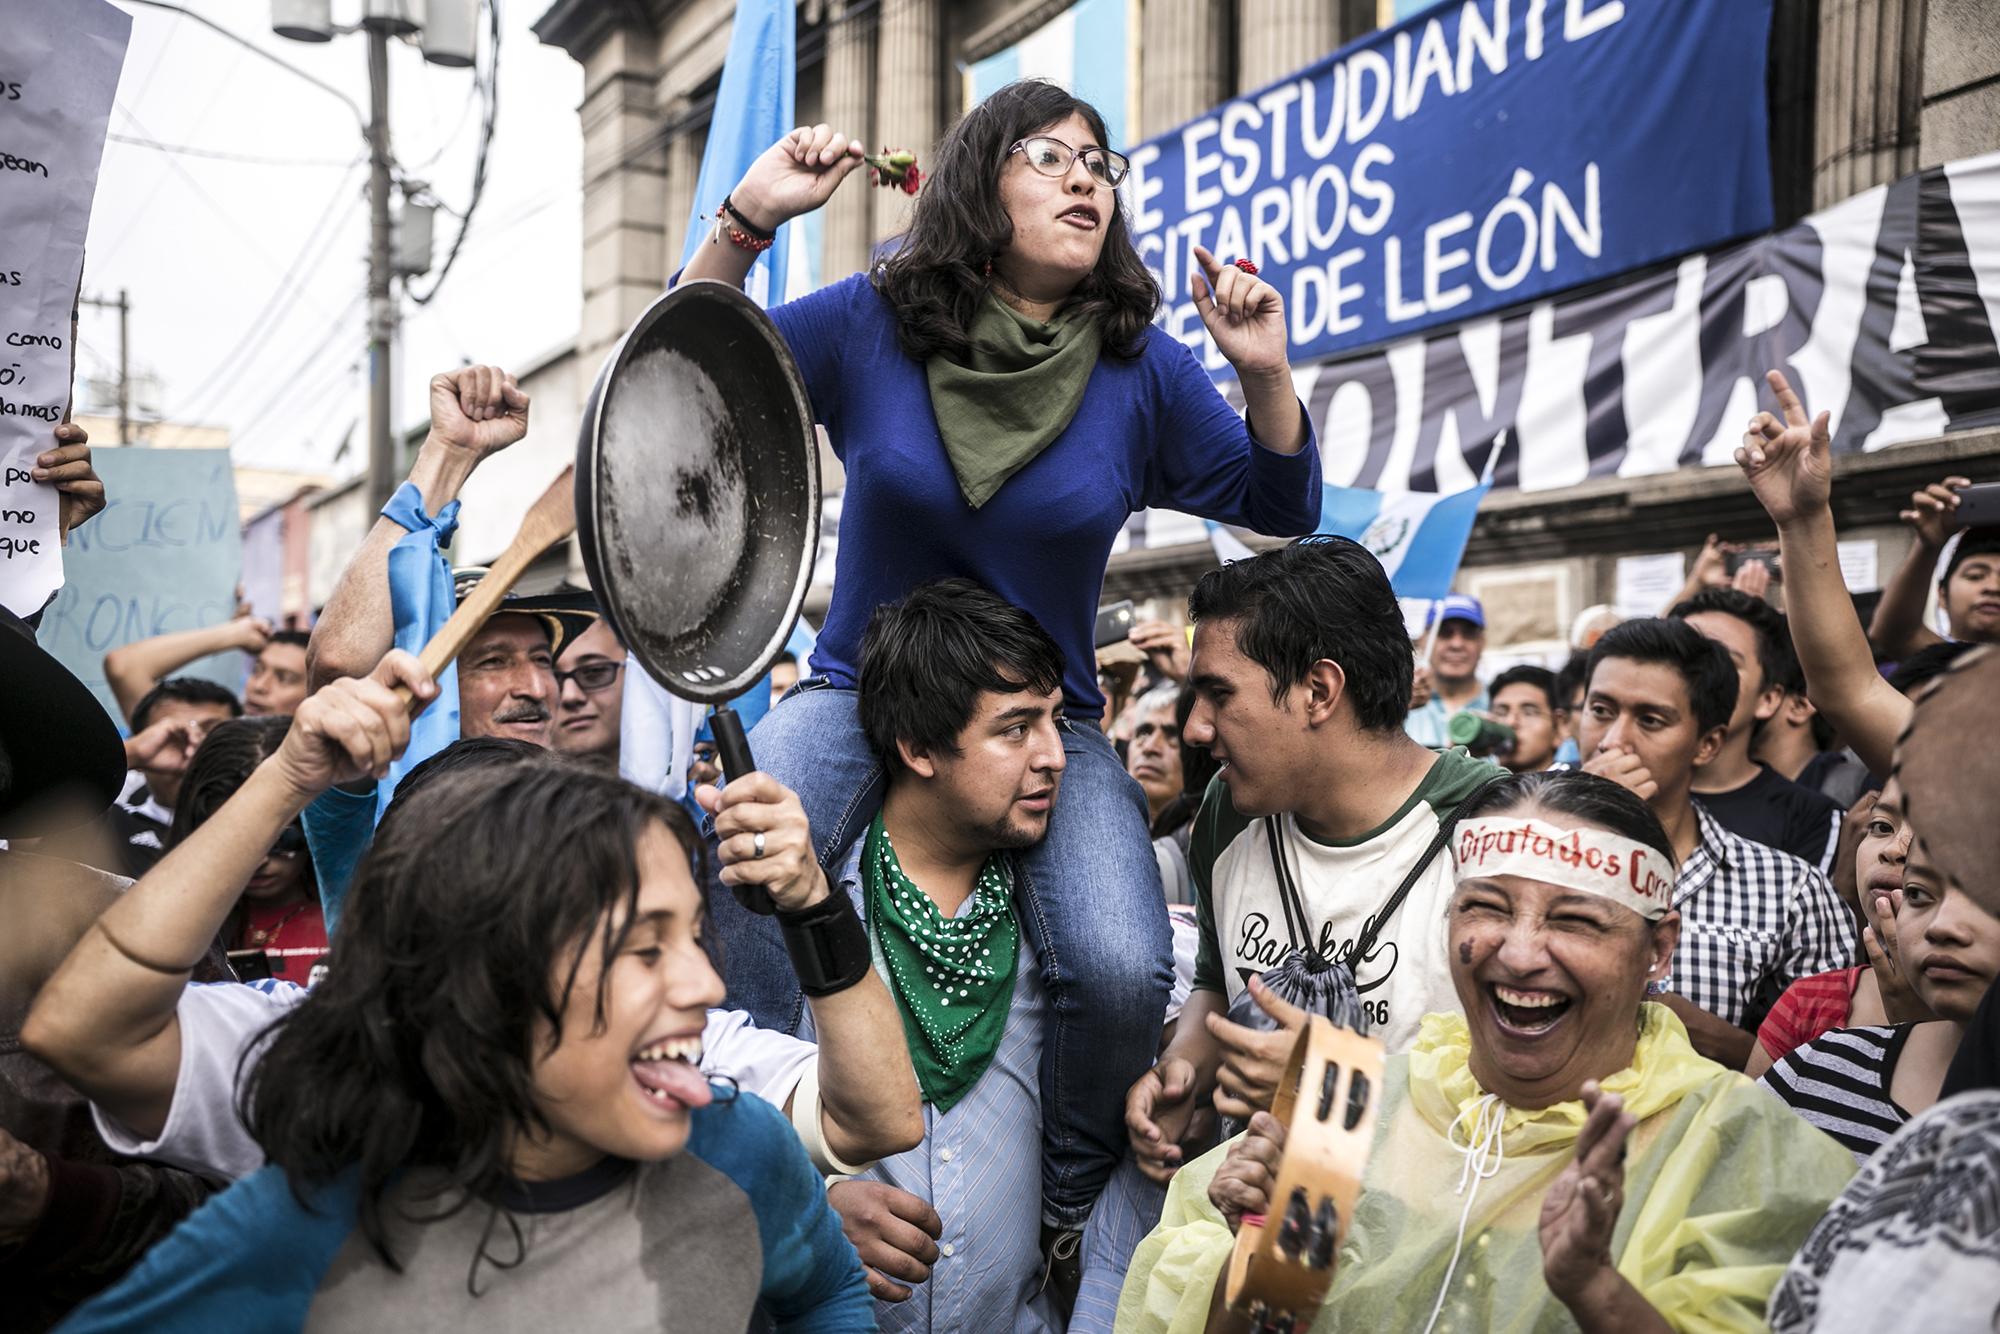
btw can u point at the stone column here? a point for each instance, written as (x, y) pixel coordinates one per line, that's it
(624, 180)
(849, 94)
(1961, 95)
(1870, 95)
(1276, 37)
(1181, 43)
(906, 107)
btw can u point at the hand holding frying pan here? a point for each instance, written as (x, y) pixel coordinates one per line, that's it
(697, 502)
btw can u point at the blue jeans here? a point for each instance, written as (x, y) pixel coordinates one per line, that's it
(1089, 897)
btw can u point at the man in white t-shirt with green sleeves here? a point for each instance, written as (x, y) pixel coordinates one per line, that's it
(1324, 810)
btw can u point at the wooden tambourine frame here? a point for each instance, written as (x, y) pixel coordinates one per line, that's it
(1281, 1268)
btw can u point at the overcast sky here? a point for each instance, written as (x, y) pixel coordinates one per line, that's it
(203, 244)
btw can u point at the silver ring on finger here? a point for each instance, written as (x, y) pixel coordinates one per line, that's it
(757, 844)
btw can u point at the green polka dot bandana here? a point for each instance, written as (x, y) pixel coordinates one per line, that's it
(953, 977)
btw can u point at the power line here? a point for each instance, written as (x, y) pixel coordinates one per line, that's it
(490, 115)
(234, 359)
(313, 79)
(220, 155)
(288, 385)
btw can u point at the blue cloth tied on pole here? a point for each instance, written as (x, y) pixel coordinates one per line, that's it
(421, 598)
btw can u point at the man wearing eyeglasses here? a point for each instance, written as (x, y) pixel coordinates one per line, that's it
(590, 694)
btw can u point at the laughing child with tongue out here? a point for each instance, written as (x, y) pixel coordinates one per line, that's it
(492, 1109)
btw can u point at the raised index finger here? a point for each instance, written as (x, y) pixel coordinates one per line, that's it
(1210, 265)
(1788, 402)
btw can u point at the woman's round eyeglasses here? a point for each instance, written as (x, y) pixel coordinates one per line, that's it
(1052, 157)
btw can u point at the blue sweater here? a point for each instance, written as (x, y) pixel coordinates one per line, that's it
(1151, 432)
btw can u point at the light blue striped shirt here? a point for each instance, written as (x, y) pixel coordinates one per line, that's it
(980, 1168)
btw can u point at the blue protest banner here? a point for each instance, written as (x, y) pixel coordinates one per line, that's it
(1474, 156)
(162, 556)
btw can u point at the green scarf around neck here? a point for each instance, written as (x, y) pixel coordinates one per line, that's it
(953, 977)
(1020, 384)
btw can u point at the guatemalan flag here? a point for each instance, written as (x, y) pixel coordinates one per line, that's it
(753, 110)
(1418, 536)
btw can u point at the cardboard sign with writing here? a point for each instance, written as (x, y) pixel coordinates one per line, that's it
(163, 556)
(59, 67)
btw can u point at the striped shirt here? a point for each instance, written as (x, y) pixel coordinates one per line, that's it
(1840, 1082)
(1753, 921)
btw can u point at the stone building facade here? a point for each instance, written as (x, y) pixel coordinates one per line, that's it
(1860, 92)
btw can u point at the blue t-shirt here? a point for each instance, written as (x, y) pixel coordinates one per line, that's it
(738, 1221)
(1151, 432)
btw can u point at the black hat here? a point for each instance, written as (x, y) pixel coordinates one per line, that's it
(564, 614)
(57, 745)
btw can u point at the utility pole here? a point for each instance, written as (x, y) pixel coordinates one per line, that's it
(381, 309)
(123, 306)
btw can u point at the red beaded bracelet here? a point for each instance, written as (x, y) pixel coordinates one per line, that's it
(738, 237)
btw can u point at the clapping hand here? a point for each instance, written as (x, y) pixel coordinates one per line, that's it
(1582, 1206)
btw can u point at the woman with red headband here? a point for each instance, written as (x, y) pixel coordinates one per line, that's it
(1556, 1157)
(1003, 405)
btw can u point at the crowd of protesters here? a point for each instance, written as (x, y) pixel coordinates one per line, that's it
(317, 1014)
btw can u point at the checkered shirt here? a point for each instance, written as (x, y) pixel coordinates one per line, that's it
(1753, 921)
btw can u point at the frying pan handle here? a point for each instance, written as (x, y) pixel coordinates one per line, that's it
(732, 747)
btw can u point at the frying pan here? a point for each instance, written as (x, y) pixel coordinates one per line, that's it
(697, 501)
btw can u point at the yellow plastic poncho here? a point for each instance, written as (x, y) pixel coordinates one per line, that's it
(1722, 1183)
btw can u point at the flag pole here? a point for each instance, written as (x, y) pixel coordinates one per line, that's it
(1431, 634)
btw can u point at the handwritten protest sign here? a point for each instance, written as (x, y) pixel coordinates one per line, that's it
(163, 556)
(59, 68)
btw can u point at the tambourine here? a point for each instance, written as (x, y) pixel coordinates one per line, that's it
(1282, 1265)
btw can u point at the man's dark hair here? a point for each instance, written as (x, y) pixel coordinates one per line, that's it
(462, 756)
(925, 661)
(1776, 658)
(1702, 663)
(1527, 674)
(1932, 660)
(1572, 676)
(1981, 541)
(184, 690)
(1318, 598)
(787, 656)
(938, 281)
(1575, 793)
(418, 1050)
(296, 638)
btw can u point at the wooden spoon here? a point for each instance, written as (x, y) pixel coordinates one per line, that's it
(551, 519)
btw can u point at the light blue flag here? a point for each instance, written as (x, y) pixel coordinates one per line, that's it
(1418, 536)
(421, 599)
(753, 110)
